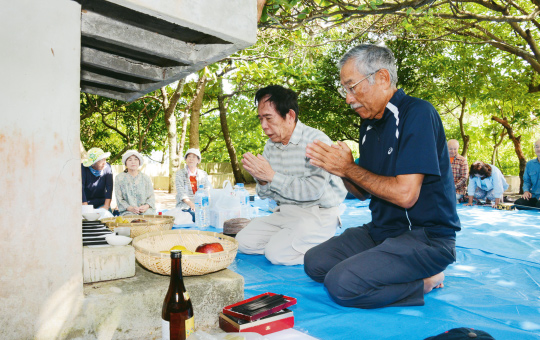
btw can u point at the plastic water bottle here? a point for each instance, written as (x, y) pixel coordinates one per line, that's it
(243, 196)
(201, 207)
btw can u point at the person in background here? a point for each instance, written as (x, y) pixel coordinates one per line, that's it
(486, 181)
(531, 182)
(188, 180)
(97, 179)
(460, 169)
(134, 190)
(308, 197)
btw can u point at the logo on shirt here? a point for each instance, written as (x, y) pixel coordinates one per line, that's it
(390, 150)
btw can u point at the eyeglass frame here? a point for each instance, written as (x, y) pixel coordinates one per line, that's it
(344, 90)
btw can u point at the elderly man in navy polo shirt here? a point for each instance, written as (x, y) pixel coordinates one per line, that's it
(405, 169)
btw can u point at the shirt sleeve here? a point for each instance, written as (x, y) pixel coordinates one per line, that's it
(471, 189)
(83, 180)
(109, 182)
(527, 185)
(180, 181)
(418, 141)
(120, 200)
(497, 179)
(207, 184)
(463, 173)
(150, 196)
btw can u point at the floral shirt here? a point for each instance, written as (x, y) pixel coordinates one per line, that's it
(134, 191)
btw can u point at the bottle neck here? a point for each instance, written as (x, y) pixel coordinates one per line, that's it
(176, 270)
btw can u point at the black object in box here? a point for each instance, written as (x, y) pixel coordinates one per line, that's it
(282, 303)
(275, 322)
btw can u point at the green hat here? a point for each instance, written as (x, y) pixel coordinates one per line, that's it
(94, 155)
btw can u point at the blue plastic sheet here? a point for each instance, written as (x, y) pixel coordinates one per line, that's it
(494, 285)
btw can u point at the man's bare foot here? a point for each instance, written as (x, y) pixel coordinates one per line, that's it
(436, 281)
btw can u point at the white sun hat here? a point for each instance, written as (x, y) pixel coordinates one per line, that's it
(196, 152)
(130, 153)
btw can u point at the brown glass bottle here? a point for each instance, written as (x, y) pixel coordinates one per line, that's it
(177, 315)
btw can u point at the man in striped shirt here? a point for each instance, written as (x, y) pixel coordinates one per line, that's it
(308, 197)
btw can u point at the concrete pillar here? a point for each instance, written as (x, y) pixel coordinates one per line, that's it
(40, 223)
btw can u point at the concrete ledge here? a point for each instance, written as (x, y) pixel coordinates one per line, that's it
(131, 308)
(108, 263)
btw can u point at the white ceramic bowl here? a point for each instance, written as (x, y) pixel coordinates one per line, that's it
(91, 216)
(117, 240)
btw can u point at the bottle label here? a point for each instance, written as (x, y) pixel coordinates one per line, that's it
(205, 201)
(190, 326)
(166, 331)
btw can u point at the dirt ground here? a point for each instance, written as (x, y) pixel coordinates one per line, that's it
(166, 201)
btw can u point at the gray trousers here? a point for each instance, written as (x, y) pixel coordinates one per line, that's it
(358, 272)
(286, 235)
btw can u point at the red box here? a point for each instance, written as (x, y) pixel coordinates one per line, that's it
(281, 320)
(227, 310)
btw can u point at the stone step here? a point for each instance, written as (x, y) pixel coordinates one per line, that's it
(131, 308)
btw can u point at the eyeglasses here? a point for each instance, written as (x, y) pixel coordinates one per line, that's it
(343, 90)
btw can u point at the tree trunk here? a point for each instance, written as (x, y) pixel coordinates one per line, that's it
(238, 176)
(183, 135)
(170, 123)
(495, 154)
(466, 139)
(517, 148)
(196, 112)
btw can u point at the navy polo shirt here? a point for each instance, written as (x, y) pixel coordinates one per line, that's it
(410, 139)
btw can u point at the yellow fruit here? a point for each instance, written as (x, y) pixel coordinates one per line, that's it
(188, 252)
(181, 248)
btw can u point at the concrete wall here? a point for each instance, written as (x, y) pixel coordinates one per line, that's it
(40, 223)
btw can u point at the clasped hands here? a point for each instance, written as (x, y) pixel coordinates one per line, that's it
(258, 167)
(335, 158)
(138, 210)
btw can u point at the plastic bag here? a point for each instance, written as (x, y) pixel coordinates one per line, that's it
(103, 213)
(221, 198)
(180, 217)
(201, 335)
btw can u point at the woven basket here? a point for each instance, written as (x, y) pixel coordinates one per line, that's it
(153, 223)
(148, 247)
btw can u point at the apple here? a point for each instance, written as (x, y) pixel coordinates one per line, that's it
(209, 248)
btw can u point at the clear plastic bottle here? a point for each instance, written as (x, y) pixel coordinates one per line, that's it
(243, 196)
(201, 207)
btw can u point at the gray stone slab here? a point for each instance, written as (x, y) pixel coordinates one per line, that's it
(97, 26)
(131, 308)
(108, 263)
(109, 81)
(111, 62)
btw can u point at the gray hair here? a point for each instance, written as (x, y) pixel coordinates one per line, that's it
(371, 58)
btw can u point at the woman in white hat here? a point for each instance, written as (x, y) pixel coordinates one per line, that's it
(97, 179)
(188, 180)
(134, 190)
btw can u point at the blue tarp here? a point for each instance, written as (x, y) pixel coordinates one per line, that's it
(494, 285)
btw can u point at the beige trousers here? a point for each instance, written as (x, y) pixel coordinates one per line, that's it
(286, 235)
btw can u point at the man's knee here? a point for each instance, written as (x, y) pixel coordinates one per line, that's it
(246, 243)
(283, 256)
(347, 293)
(313, 265)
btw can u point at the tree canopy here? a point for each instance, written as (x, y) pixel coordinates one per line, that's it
(475, 61)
